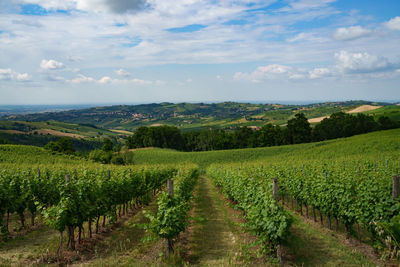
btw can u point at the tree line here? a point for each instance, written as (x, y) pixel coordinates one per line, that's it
(298, 130)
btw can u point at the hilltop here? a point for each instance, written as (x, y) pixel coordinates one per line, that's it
(195, 116)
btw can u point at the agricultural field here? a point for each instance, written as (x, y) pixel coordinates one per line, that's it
(333, 198)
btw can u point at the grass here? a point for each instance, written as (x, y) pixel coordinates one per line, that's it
(393, 112)
(311, 246)
(381, 144)
(119, 244)
(213, 239)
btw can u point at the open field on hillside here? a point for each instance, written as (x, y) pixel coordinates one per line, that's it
(376, 145)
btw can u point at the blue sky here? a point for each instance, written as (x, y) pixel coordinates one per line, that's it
(103, 51)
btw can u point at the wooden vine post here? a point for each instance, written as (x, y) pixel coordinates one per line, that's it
(395, 188)
(169, 244)
(329, 216)
(61, 232)
(275, 194)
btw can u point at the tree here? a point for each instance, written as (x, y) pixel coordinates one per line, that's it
(107, 145)
(299, 129)
(242, 137)
(63, 145)
(386, 123)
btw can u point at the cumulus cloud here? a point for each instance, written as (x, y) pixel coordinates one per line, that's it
(393, 24)
(108, 80)
(10, 75)
(51, 64)
(122, 72)
(273, 71)
(351, 33)
(105, 80)
(348, 62)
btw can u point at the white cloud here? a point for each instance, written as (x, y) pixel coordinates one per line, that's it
(10, 75)
(273, 71)
(105, 80)
(108, 80)
(82, 79)
(348, 62)
(51, 64)
(319, 72)
(143, 82)
(351, 33)
(393, 24)
(306, 4)
(123, 73)
(31, 23)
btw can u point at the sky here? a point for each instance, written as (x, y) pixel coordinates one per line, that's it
(142, 51)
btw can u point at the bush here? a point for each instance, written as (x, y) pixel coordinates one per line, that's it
(101, 156)
(117, 160)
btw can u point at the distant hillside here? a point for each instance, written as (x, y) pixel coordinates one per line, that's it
(85, 137)
(191, 116)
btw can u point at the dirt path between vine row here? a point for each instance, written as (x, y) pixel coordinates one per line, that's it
(212, 237)
(216, 238)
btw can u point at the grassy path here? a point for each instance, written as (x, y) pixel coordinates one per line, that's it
(313, 246)
(213, 238)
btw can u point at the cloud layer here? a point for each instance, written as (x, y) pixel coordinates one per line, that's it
(351, 33)
(129, 49)
(346, 63)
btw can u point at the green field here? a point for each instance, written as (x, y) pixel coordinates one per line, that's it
(377, 145)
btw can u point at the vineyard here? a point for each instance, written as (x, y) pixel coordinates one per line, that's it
(347, 186)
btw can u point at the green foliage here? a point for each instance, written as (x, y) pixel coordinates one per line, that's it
(91, 191)
(172, 215)
(63, 145)
(117, 159)
(160, 136)
(264, 217)
(101, 156)
(298, 129)
(107, 145)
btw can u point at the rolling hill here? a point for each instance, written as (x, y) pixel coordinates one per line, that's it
(196, 116)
